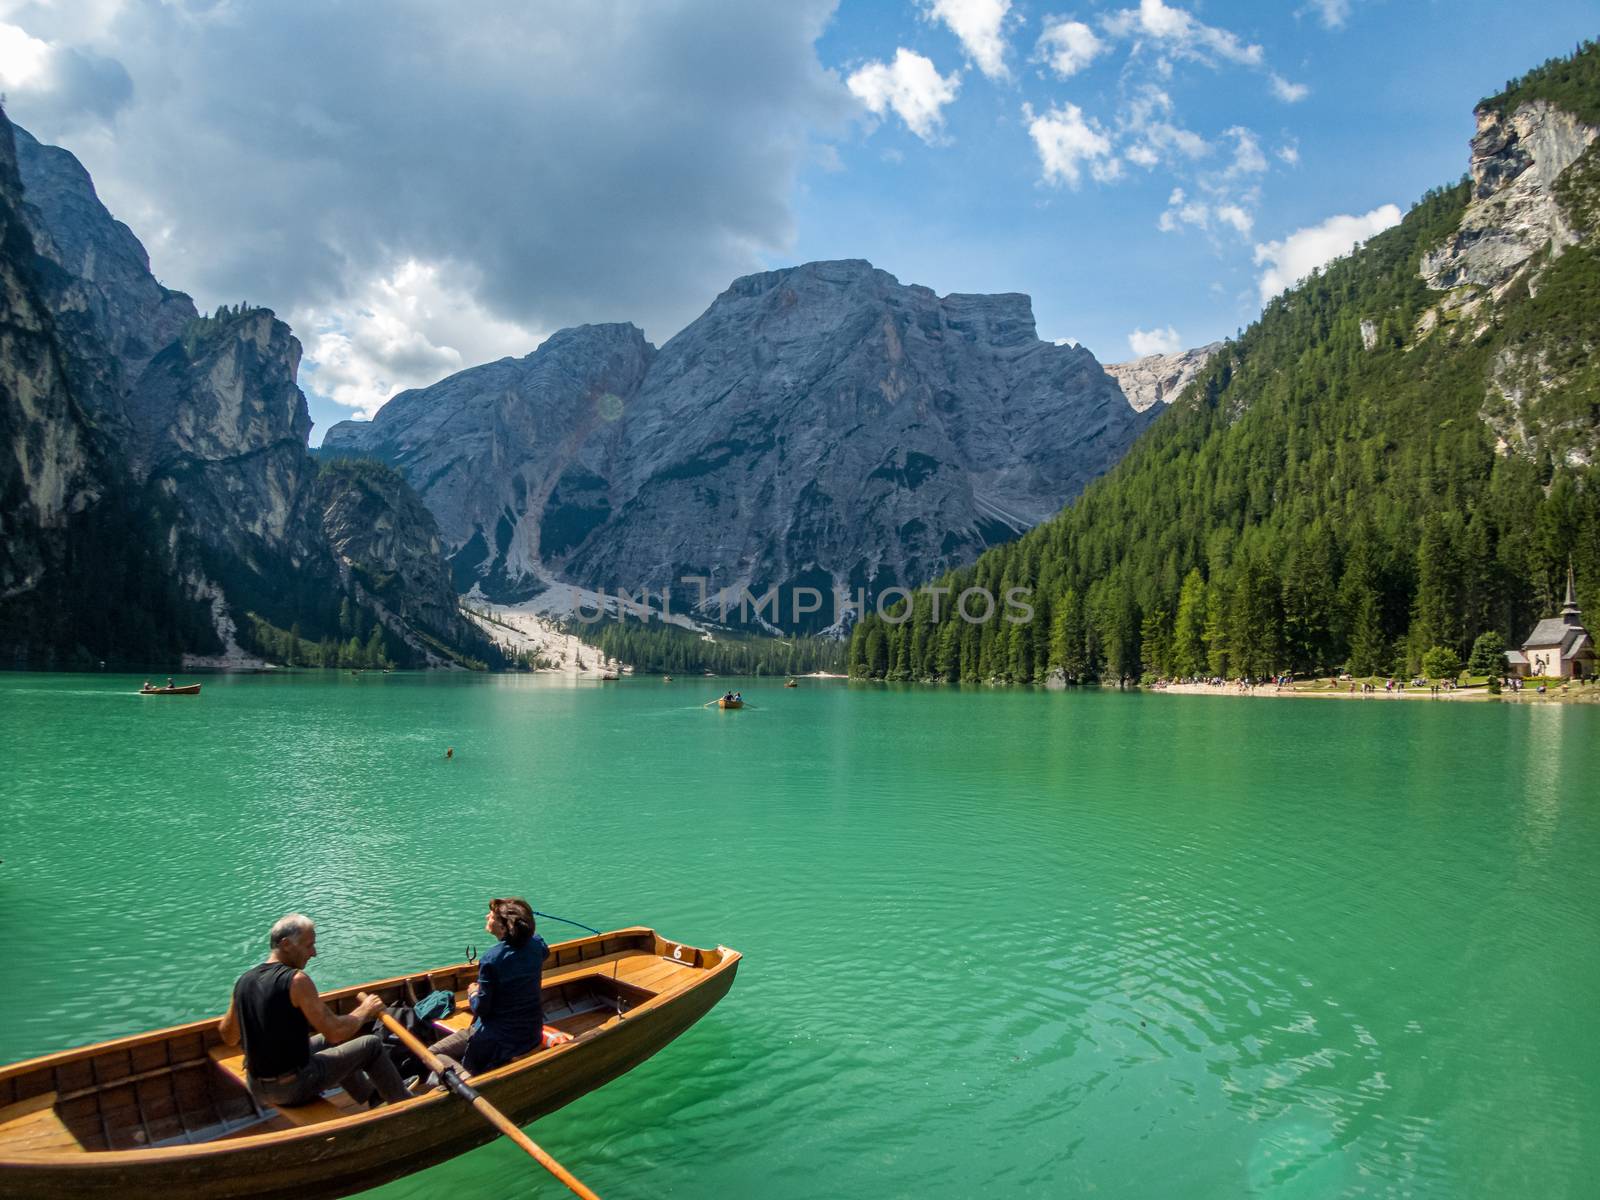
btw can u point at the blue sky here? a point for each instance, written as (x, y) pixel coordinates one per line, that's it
(418, 188)
(1386, 114)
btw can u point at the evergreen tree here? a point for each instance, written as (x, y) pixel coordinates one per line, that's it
(374, 656)
(1441, 662)
(1310, 602)
(1189, 643)
(1488, 654)
(1216, 629)
(1254, 623)
(1155, 642)
(1369, 649)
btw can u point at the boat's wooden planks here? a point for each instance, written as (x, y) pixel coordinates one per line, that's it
(640, 968)
(33, 1126)
(660, 975)
(196, 1133)
(231, 1060)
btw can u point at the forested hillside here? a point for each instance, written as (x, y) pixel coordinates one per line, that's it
(1374, 468)
(663, 648)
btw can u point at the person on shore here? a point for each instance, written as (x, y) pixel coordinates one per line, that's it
(275, 1008)
(506, 1000)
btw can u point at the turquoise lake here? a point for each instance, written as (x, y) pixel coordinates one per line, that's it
(1008, 943)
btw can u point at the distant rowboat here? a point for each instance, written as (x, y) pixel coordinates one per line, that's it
(168, 1113)
(791, 683)
(723, 702)
(188, 689)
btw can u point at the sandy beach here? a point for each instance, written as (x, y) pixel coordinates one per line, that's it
(1577, 693)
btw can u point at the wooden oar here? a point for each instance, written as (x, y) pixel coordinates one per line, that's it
(491, 1114)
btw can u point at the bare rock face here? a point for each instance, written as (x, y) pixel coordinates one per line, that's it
(109, 310)
(827, 426)
(204, 419)
(1158, 378)
(46, 466)
(513, 458)
(388, 547)
(822, 426)
(228, 440)
(205, 409)
(1514, 212)
(80, 579)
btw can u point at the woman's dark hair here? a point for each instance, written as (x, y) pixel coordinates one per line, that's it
(516, 914)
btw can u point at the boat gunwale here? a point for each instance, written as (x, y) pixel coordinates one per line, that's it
(108, 1159)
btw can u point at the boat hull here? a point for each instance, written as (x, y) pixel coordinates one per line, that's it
(348, 1156)
(191, 689)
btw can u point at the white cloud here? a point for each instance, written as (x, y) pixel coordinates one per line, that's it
(24, 60)
(407, 329)
(1289, 93)
(1232, 214)
(978, 24)
(1303, 251)
(1147, 121)
(1182, 210)
(602, 161)
(1178, 33)
(1333, 12)
(911, 86)
(66, 88)
(1289, 152)
(1156, 341)
(1247, 156)
(1065, 141)
(1068, 46)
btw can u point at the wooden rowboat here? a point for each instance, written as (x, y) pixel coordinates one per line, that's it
(168, 1114)
(791, 683)
(725, 703)
(188, 689)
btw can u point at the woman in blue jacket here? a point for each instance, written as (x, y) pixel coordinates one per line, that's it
(506, 1000)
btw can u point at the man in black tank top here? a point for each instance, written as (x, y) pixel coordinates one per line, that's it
(275, 1008)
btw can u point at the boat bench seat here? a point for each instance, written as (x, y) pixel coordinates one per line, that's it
(231, 1060)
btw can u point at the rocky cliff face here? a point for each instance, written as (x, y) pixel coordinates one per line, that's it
(110, 312)
(229, 435)
(203, 422)
(821, 426)
(827, 426)
(80, 577)
(389, 550)
(1516, 160)
(513, 458)
(1158, 378)
(1529, 231)
(46, 467)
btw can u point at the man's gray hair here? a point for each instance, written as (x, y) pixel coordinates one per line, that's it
(291, 926)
